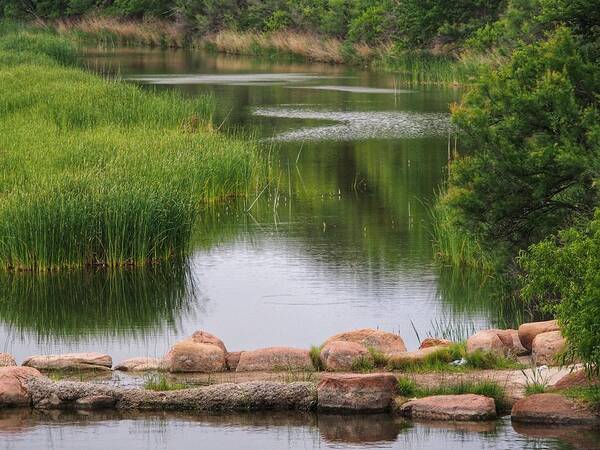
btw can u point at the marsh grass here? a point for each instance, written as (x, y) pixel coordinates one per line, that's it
(363, 364)
(535, 381)
(409, 388)
(103, 173)
(162, 383)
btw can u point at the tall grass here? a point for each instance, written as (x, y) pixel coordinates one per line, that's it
(452, 243)
(101, 173)
(108, 31)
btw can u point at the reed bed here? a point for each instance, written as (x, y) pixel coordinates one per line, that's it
(309, 46)
(102, 173)
(109, 31)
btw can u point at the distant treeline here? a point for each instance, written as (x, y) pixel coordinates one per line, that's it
(413, 23)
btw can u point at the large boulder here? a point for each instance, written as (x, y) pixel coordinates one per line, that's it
(547, 346)
(389, 344)
(190, 356)
(493, 340)
(339, 356)
(356, 392)
(141, 364)
(434, 342)
(528, 331)
(418, 356)
(70, 361)
(203, 337)
(13, 385)
(551, 409)
(451, 407)
(7, 360)
(274, 359)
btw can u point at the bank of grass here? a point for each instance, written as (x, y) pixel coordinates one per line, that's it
(102, 173)
(440, 361)
(409, 388)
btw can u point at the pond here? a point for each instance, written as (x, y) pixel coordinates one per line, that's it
(341, 239)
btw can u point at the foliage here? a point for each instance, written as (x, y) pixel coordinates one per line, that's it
(562, 274)
(531, 130)
(480, 359)
(315, 357)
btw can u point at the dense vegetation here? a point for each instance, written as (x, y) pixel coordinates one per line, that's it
(95, 172)
(522, 195)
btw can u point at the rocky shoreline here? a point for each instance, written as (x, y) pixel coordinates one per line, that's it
(334, 390)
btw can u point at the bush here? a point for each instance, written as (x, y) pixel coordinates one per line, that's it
(562, 275)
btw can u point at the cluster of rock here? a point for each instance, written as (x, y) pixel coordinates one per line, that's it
(206, 353)
(542, 340)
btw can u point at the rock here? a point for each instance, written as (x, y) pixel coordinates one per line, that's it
(190, 356)
(415, 357)
(547, 346)
(141, 364)
(233, 359)
(339, 356)
(13, 385)
(517, 347)
(528, 331)
(254, 395)
(551, 409)
(434, 342)
(6, 360)
(274, 358)
(95, 402)
(70, 361)
(202, 337)
(578, 378)
(494, 340)
(451, 407)
(389, 344)
(356, 392)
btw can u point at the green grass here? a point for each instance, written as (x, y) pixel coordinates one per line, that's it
(102, 173)
(409, 388)
(439, 361)
(588, 394)
(378, 357)
(315, 357)
(363, 364)
(161, 383)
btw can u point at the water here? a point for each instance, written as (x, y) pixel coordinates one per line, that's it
(69, 430)
(340, 240)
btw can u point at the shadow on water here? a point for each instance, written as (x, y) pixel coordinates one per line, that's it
(275, 430)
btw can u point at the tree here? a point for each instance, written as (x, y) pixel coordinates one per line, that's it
(532, 134)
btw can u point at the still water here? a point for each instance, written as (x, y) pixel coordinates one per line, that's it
(340, 240)
(272, 431)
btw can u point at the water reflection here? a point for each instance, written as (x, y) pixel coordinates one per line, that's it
(75, 430)
(341, 239)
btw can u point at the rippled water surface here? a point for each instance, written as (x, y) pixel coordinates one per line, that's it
(340, 240)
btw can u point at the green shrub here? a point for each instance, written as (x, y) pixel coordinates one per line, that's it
(480, 359)
(562, 275)
(406, 387)
(363, 364)
(315, 357)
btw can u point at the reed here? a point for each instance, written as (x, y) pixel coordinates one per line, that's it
(102, 173)
(107, 31)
